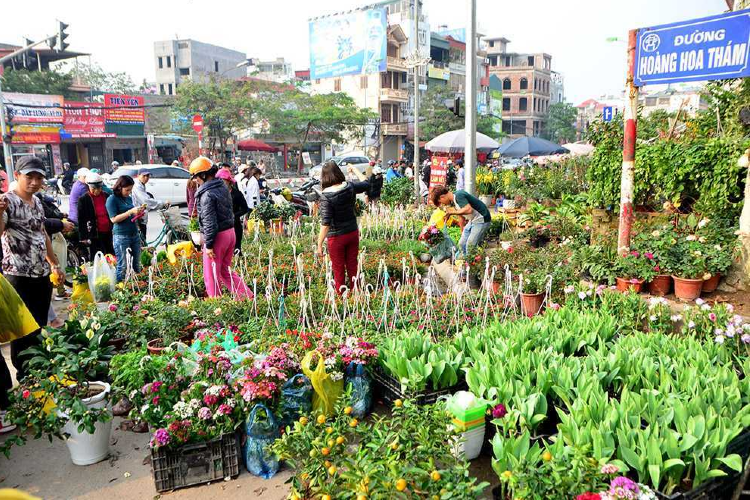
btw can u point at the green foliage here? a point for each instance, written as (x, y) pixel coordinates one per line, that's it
(102, 81)
(438, 119)
(398, 192)
(561, 123)
(38, 82)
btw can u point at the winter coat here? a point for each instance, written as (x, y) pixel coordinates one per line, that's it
(337, 207)
(87, 226)
(214, 210)
(376, 186)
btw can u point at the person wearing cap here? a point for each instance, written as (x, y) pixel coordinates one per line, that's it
(408, 171)
(216, 220)
(94, 226)
(392, 172)
(28, 260)
(252, 187)
(376, 182)
(240, 179)
(175, 163)
(239, 207)
(142, 197)
(79, 189)
(138, 163)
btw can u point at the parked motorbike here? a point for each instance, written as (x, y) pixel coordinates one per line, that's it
(300, 199)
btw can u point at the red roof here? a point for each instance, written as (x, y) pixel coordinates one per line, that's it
(302, 73)
(255, 145)
(587, 103)
(456, 44)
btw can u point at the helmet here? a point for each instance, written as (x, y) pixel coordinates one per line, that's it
(287, 194)
(82, 172)
(115, 163)
(200, 165)
(391, 162)
(93, 178)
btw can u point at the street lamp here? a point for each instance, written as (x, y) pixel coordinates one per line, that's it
(242, 64)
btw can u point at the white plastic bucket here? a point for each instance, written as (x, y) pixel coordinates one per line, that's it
(85, 448)
(470, 443)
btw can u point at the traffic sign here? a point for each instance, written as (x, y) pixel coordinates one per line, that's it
(607, 114)
(709, 48)
(198, 123)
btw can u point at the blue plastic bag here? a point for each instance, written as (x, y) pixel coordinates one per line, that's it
(361, 389)
(261, 433)
(296, 399)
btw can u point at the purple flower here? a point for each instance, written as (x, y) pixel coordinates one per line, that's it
(499, 411)
(745, 338)
(161, 438)
(623, 484)
(204, 413)
(113, 307)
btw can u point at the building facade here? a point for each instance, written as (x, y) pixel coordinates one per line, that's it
(278, 70)
(557, 88)
(527, 87)
(176, 61)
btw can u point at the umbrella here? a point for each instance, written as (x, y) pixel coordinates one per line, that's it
(579, 148)
(255, 145)
(530, 146)
(455, 142)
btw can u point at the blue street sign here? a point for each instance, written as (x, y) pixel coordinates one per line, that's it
(710, 48)
(607, 114)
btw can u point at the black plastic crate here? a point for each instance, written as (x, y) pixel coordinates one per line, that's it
(389, 389)
(196, 463)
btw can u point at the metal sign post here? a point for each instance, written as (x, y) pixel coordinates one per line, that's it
(470, 124)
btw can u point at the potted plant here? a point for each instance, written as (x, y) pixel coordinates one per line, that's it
(532, 296)
(486, 184)
(195, 232)
(63, 396)
(633, 269)
(660, 243)
(690, 269)
(718, 260)
(474, 260)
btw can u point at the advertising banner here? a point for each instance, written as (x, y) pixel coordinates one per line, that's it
(710, 48)
(496, 109)
(438, 171)
(116, 109)
(83, 120)
(33, 108)
(349, 44)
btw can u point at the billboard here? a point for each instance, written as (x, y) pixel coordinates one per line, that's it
(710, 48)
(438, 171)
(33, 108)
(349, 44)
(83, 120)
(116, 109)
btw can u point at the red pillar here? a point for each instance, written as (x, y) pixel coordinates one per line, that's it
(628, 150)
(284, 153)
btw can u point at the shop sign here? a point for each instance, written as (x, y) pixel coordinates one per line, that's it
(438, 171)
(124, 109)
(33, 108)
(83, 120)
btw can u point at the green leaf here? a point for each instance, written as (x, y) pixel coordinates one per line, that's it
(733, 461)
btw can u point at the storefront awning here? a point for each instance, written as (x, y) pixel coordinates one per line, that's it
(255, 145)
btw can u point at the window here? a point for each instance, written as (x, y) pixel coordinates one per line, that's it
(363, 80)
(161, 63)
(169, 61)
(184, 71)
(507, 61)
(506, 127)
(182, 45)
(506, 103)
(169, 86)
(216, 66)
(523, 104)
(536, 107)
(337, 85)
(362, 159)
(492, 43)
(531, 60)
(664, 100)
(524, 84)
(161, 88)
(159, 173)
(506, 84)
(177, 173)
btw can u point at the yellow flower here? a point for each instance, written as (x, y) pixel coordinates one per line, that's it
(89, 334)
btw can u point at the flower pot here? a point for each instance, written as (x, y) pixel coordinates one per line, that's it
(197, 238)
(276, 226)
(509, 204)
(117, 343)
(687, 289)
(486, 199)
(85, 448)
(425, 257)
(155, 346)
(712, 283)
(625, 284)
(531, 303)
(660, 285)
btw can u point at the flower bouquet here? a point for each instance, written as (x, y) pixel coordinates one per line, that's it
(431, 236)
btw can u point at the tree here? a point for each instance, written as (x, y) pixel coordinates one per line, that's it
(95, 77)
(37, 82)
(436, 118)
(561, 122)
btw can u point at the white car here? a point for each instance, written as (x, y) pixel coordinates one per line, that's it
(167, 183)
(357, 160)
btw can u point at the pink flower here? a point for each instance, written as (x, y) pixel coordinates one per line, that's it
(113, 307)
(155, 401)
(499, 411)
(555, 306)
(204, 413)
(649, 255)
(712, 317)
(610, 469)
(155, 386)
(635, 254)
(25, 394)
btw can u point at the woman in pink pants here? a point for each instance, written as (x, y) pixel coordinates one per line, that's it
(216, 220)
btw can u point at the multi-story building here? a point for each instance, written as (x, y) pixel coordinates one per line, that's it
(438, 72)
(557, 88)
(278, 70)
(180, 60)
(527, 85)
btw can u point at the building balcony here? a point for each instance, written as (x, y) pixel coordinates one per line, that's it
(396, 64)
(394, 128)
(394, 95)
(457, 68)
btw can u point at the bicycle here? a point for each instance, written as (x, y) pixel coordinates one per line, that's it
(174, 229)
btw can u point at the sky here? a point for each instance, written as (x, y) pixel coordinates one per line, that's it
(120, 35)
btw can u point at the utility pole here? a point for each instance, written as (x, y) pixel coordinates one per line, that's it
(628, 150)
(416, 168)
(470, 125)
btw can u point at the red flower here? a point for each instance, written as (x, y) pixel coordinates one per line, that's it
(25, 394)
(589, 496)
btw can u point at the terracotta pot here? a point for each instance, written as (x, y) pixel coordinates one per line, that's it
(155, 346)
(687, 289)
(118, 343)
(531, 303)
(276, 227)
(496, 288)
(625, 284)
(712, 283)
(660, 285)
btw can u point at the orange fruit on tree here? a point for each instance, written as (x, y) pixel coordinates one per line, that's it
(325, 497)
(546, 456)
(435, 475)
(303, 420)
(321, 419)
(398, 403)
(340, 440)
(329, 430)
(332, 470)
(325, 452)
(348, 410)
(401, 484)
(353, 423)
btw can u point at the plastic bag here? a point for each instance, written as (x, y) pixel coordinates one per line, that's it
(327, 390)
(102, 279)
(261, 433)
(443, 250)
(361, 387)
(437, 219)
(81, 293)
(15, 319)
(60, 248)
(296, 399)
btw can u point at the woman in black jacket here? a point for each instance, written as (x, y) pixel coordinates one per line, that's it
(339, 222)
(216, 220)
(94, 224)
(239, 207)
